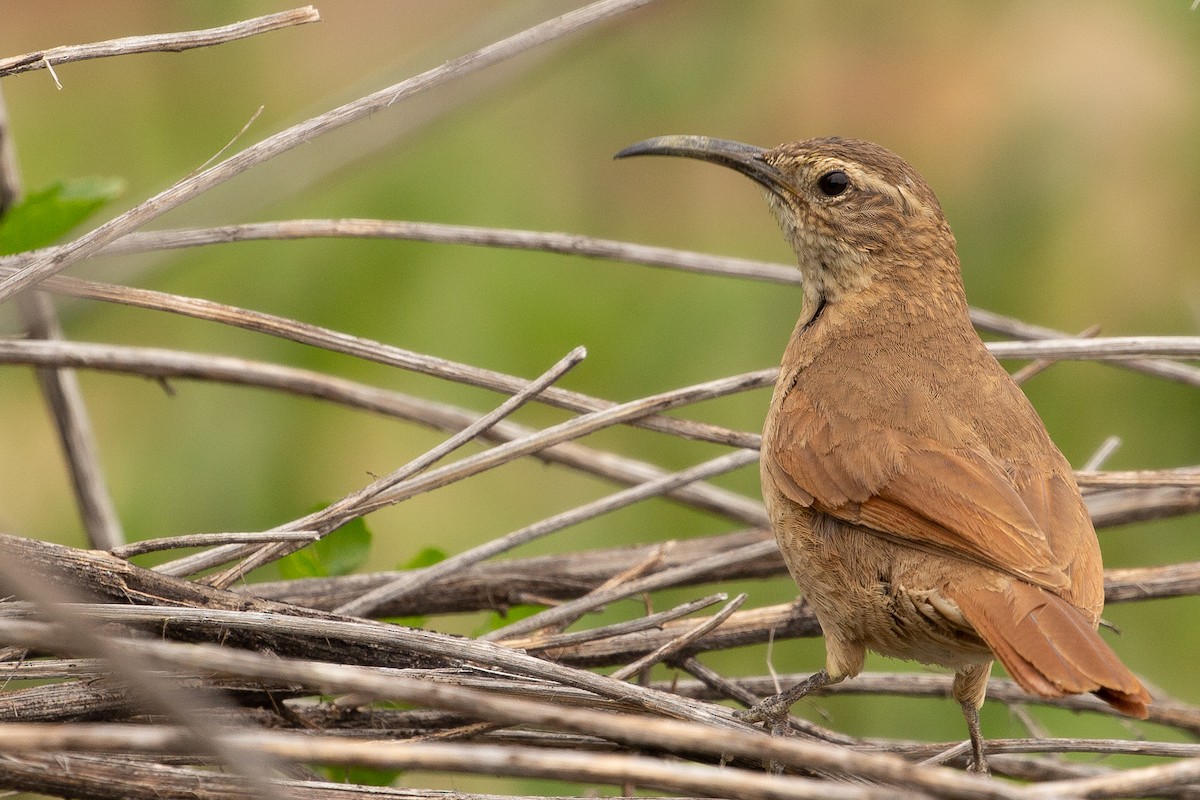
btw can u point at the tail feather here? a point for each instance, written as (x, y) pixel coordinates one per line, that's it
(1049, 646)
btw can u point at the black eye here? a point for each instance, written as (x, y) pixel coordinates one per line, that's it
(833, 183)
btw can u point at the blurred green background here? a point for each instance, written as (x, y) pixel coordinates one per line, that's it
(1062, 139)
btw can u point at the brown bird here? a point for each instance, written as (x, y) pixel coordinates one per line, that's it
(920, 504)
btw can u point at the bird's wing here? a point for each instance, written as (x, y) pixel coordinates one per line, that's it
(929, 489)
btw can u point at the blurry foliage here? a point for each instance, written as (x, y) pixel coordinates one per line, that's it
(339, 552)
(40, 218)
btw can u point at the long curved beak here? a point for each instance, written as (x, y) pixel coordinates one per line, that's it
(745, 158)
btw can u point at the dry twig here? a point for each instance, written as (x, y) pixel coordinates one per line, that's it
(157, 43)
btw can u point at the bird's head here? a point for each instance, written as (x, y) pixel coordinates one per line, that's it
(854, 212)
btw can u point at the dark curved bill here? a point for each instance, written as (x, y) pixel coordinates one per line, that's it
(745, 158)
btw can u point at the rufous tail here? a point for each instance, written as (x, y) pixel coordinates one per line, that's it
(1048, 646)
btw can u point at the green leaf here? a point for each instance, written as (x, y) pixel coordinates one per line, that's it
(339, 552)
(426, 558)
(511, 614)
(42, 218)
(366, 776)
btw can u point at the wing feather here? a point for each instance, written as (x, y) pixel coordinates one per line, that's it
(951, 497)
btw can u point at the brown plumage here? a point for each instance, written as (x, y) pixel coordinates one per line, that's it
(919, 502)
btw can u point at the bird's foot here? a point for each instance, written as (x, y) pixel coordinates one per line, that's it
(773, 711)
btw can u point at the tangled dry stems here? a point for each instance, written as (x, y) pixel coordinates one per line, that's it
(150, 677)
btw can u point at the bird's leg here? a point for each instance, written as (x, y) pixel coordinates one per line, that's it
(969, 688)
(978, 761)
(773, 710)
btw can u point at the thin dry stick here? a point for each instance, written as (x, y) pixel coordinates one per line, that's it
(1065, 744)
(60, 387)
(160, 42)
(658, 580)
(1100, 349)
(64, 397)
(338, 513)
(1177, 476)
(413, 581)
(509, 451)
(1138, 782)
(1019, 329)
(556, 763)
(559, 243)
(574, 428)
(1106, 449)
(635, 571)
(196, 184)
(1041, 365)
(672, 647)
(130, 778)
(488, 585)
(616, 628)
(919, 684)
(209, 540)
(390, 355)
(727, 688)
(160, 363)
(441, 233)
(729, 739)
(159, 691)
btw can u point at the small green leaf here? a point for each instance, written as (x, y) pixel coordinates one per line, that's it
(339, 552)
(42, 218)
(511, 614)
(426, 558)
(365, 776)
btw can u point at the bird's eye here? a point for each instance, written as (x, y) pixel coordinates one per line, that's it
(833, 183)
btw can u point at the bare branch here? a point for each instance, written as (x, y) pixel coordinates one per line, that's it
(196, 184)
(183, 705)
(390, 355)
(64, 398)
(159, 42)
(509, 451)
(413, 581)
(573, 244)
(734, 739)
(209, 540)
(1178, 476)
(1017, 329)
(60, 387)
(555, 763)
(670, 577)
(669, 649)
(1100, 349)
(441, 233)
(340, 512)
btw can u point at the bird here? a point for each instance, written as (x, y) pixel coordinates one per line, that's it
(919, 503)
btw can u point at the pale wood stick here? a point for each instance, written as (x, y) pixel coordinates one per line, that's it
(158, 42)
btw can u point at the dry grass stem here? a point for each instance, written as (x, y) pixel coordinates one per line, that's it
(1100, 349)
(196, 184)
(60, 387)
(415, 581)
(210, 540)
(349, 507)
(390, 355)
(668, 650)
(1041, 365)
(157, 43)
(597, 599)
